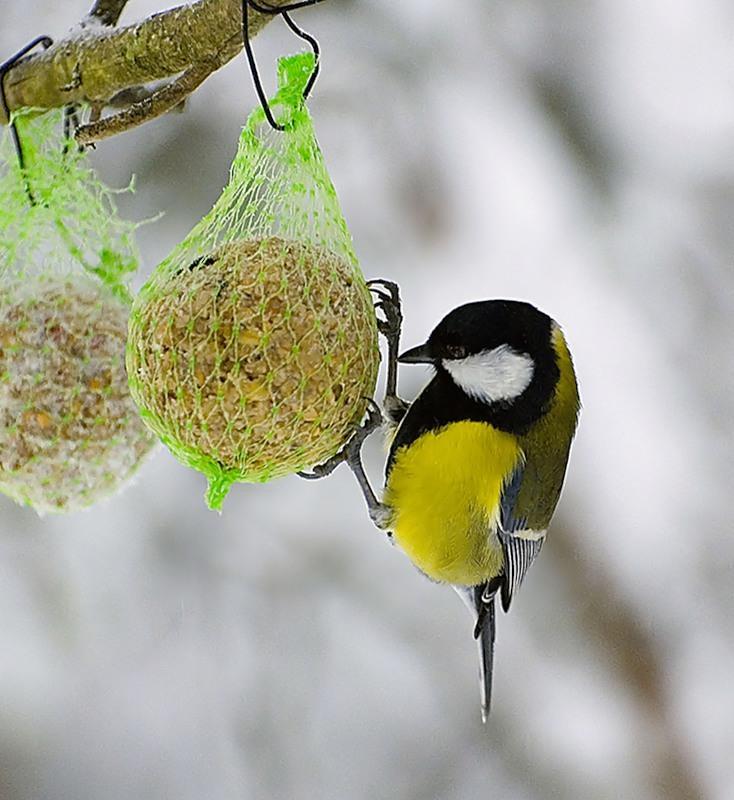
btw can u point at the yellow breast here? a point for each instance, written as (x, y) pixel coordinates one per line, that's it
(444, 491)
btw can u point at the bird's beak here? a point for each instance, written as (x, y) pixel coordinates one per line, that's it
(416, 355)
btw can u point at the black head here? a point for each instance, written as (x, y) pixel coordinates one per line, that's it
(497, 352)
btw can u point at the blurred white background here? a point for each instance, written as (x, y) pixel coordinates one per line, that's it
(576, 155)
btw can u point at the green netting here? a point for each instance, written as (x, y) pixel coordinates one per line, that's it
(253, 345)
(69, 431)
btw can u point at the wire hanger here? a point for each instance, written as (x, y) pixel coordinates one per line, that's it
(45, 42)
(266, 8)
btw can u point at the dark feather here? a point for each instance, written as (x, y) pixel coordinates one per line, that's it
(519, 555)
(484, 633)
(519, 552)
(510, 520)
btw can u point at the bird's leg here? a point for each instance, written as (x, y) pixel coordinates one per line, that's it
(388, 300)
(352, 454)
(325, 468)
(379, 513)
(387, 296)
(373, 421)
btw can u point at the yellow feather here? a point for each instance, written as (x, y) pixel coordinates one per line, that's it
(445, 491)
(567, 392)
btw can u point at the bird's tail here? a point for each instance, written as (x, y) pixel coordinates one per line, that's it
(484, 634)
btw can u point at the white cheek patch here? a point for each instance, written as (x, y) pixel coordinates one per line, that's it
(492, 375)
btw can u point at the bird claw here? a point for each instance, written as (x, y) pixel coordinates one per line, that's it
(382, 517)
(395, 408)
(352, 448)
(322, 470)
(388, 287)
(388, 294)
(371, 423)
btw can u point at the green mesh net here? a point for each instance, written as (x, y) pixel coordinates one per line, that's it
(70, 433)
(253, 346)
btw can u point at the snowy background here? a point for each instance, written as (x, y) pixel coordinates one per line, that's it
(576, 155)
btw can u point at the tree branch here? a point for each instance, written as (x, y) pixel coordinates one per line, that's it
(91, 68)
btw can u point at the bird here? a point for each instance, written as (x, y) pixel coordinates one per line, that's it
(477, 461)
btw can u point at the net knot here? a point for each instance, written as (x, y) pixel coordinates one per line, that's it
(294, 73)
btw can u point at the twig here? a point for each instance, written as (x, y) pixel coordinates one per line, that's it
(155, 104)
(107, 11)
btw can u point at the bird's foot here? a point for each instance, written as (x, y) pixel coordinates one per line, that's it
(387, 300)
(381, 516)
(387, 295)
(372, 421)
(395, 408)
(379, 513)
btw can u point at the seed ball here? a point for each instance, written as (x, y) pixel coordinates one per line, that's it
(254, 361)
(69, 431)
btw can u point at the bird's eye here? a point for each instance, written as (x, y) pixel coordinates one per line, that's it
(455, 351)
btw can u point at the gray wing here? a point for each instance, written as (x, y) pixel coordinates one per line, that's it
(520, 545)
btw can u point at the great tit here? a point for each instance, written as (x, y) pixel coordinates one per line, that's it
(477, 461)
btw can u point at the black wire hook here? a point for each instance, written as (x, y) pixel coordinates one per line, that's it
(265, 8)
(46, 42)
